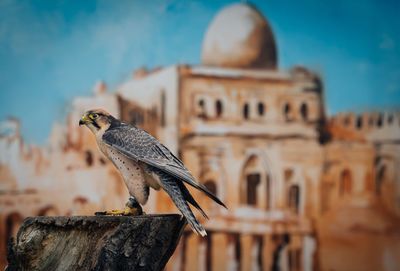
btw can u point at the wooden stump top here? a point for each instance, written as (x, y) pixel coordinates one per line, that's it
(96, 242)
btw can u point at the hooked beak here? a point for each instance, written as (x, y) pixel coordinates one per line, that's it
(84, 120)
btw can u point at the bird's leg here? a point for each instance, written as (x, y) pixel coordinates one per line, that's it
(132, 207)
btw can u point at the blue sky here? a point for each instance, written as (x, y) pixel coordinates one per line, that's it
(52, 51)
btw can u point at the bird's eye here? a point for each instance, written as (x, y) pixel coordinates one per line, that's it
(93, 116)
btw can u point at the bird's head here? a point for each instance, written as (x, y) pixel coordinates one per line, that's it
(97, 120)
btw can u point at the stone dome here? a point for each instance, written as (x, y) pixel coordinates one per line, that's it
(239, 37)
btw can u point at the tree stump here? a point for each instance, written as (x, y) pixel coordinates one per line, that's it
(96, 243)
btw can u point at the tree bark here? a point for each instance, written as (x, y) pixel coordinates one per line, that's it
(96, 243)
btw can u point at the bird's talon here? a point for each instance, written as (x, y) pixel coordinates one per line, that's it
(128, 211)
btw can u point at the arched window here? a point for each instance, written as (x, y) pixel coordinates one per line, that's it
(218, 108)
(304, 111)
(211, 186)
(202, 109)
(253, 181)
(380, 180)
(246, 110)
(287, 111)
(346, 183)
(359, 122)
(294, 198)
(255, 186)
(379, 122)
(261, 109)
(89, 158)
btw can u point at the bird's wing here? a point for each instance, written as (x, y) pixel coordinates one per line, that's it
(141, 146)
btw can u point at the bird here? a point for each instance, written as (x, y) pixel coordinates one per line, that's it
(144, 163)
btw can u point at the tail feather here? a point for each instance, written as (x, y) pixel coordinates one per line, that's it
(190, 199)
(204, 189)
(173, 189)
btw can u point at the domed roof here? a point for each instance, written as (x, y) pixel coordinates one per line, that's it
(239, 37)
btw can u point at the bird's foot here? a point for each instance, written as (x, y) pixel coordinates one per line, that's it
(127, 211)
(132, 208)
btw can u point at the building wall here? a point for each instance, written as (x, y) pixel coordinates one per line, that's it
(252, 160)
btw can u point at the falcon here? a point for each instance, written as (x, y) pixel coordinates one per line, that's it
(145, 163)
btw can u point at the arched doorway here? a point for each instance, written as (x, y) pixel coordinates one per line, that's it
(79, 205)
(89, 158)
(287, 111)
(219, 108)
(48, 211)
(13, 222)
(255, 187)
(304, 111)
(246, 111)
(261, 109)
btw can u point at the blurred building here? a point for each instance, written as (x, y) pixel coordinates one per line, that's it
(304, 191)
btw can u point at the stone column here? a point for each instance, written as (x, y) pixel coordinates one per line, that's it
(296, 246)
(231, 261)
(246, 241)
(283, 260)
(219, 251)
(256, 252)
(268, 249)
(175, 262)
(280, 189)
(192, 253)
(308, 253)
